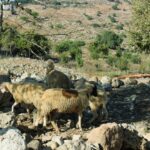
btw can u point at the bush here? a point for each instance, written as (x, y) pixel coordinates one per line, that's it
(70, 50)
(59, 26)
(88, 17)
(98, 50)
(24, 18)
(118, 62)
(32, 13)
(68, 45)
(112, 19)
(104, 41)
(119, 26)
(79, 60)
(122, 64)
(64, 57)
(115, 6)
(95, 25)
(99, 13)
(110, 39)
(28, 44)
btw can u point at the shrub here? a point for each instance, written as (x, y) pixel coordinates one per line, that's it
(95, 25)
(110, 39)
(112, 19)
(115, 6)
(119, 26)
(118, 62)
(64, 57)
(104, 41)
(114, 15)
(88, 17)
(79, 60)
(24, 18)
(122, 63)
(98, 50)
(99, 13)
(70, 50)
(59, 26)
(68, 45)
(34, 14)
(28, 44)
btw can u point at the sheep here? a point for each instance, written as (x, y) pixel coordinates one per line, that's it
(96, 102)
(62, 101)
(27, 93)
(55, 78)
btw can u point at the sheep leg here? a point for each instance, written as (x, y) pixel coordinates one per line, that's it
(13, 106)
(55, 126)
(44, 121)
(105, 112)
(95, 115)
(38, 118)
(79, 121)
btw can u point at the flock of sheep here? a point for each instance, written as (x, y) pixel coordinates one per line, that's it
(50, 101)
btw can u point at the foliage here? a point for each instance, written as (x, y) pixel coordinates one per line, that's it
(99, 13)
(96, 25)
(112, 19)
(139, 37)
(88, 17)
(115, 6)
(110, 39)
(24, 18)
(70, 50)
(28, 44)
(122, 59)
(32, 13)
(103, 42)
(119, 26)
(98, 50)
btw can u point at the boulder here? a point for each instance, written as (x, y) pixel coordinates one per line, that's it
(11, 139)
(6, 120)
(34, 145)
(116, 83)
(106, 83)
(109, 136)
(132, 139)
(129, 81)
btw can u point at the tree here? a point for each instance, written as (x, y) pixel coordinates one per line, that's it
(139, 33)
(1, 17)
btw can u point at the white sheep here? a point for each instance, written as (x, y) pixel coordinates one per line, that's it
(27, 93)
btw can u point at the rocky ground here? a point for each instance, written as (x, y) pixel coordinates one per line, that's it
(128, 107)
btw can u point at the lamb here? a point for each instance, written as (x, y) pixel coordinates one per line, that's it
(96, 102)
(27, 93)
(62, 101)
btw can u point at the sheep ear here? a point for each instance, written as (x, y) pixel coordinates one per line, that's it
(92, 99)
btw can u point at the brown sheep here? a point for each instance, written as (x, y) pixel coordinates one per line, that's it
(62, 101)
(96, 102)
(27, 93)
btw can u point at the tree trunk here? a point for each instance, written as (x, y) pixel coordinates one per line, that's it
(1, 17)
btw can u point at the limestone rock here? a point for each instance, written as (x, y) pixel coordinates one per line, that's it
(11, 139)
(109, 136)
(34, 145)
(6, 120)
